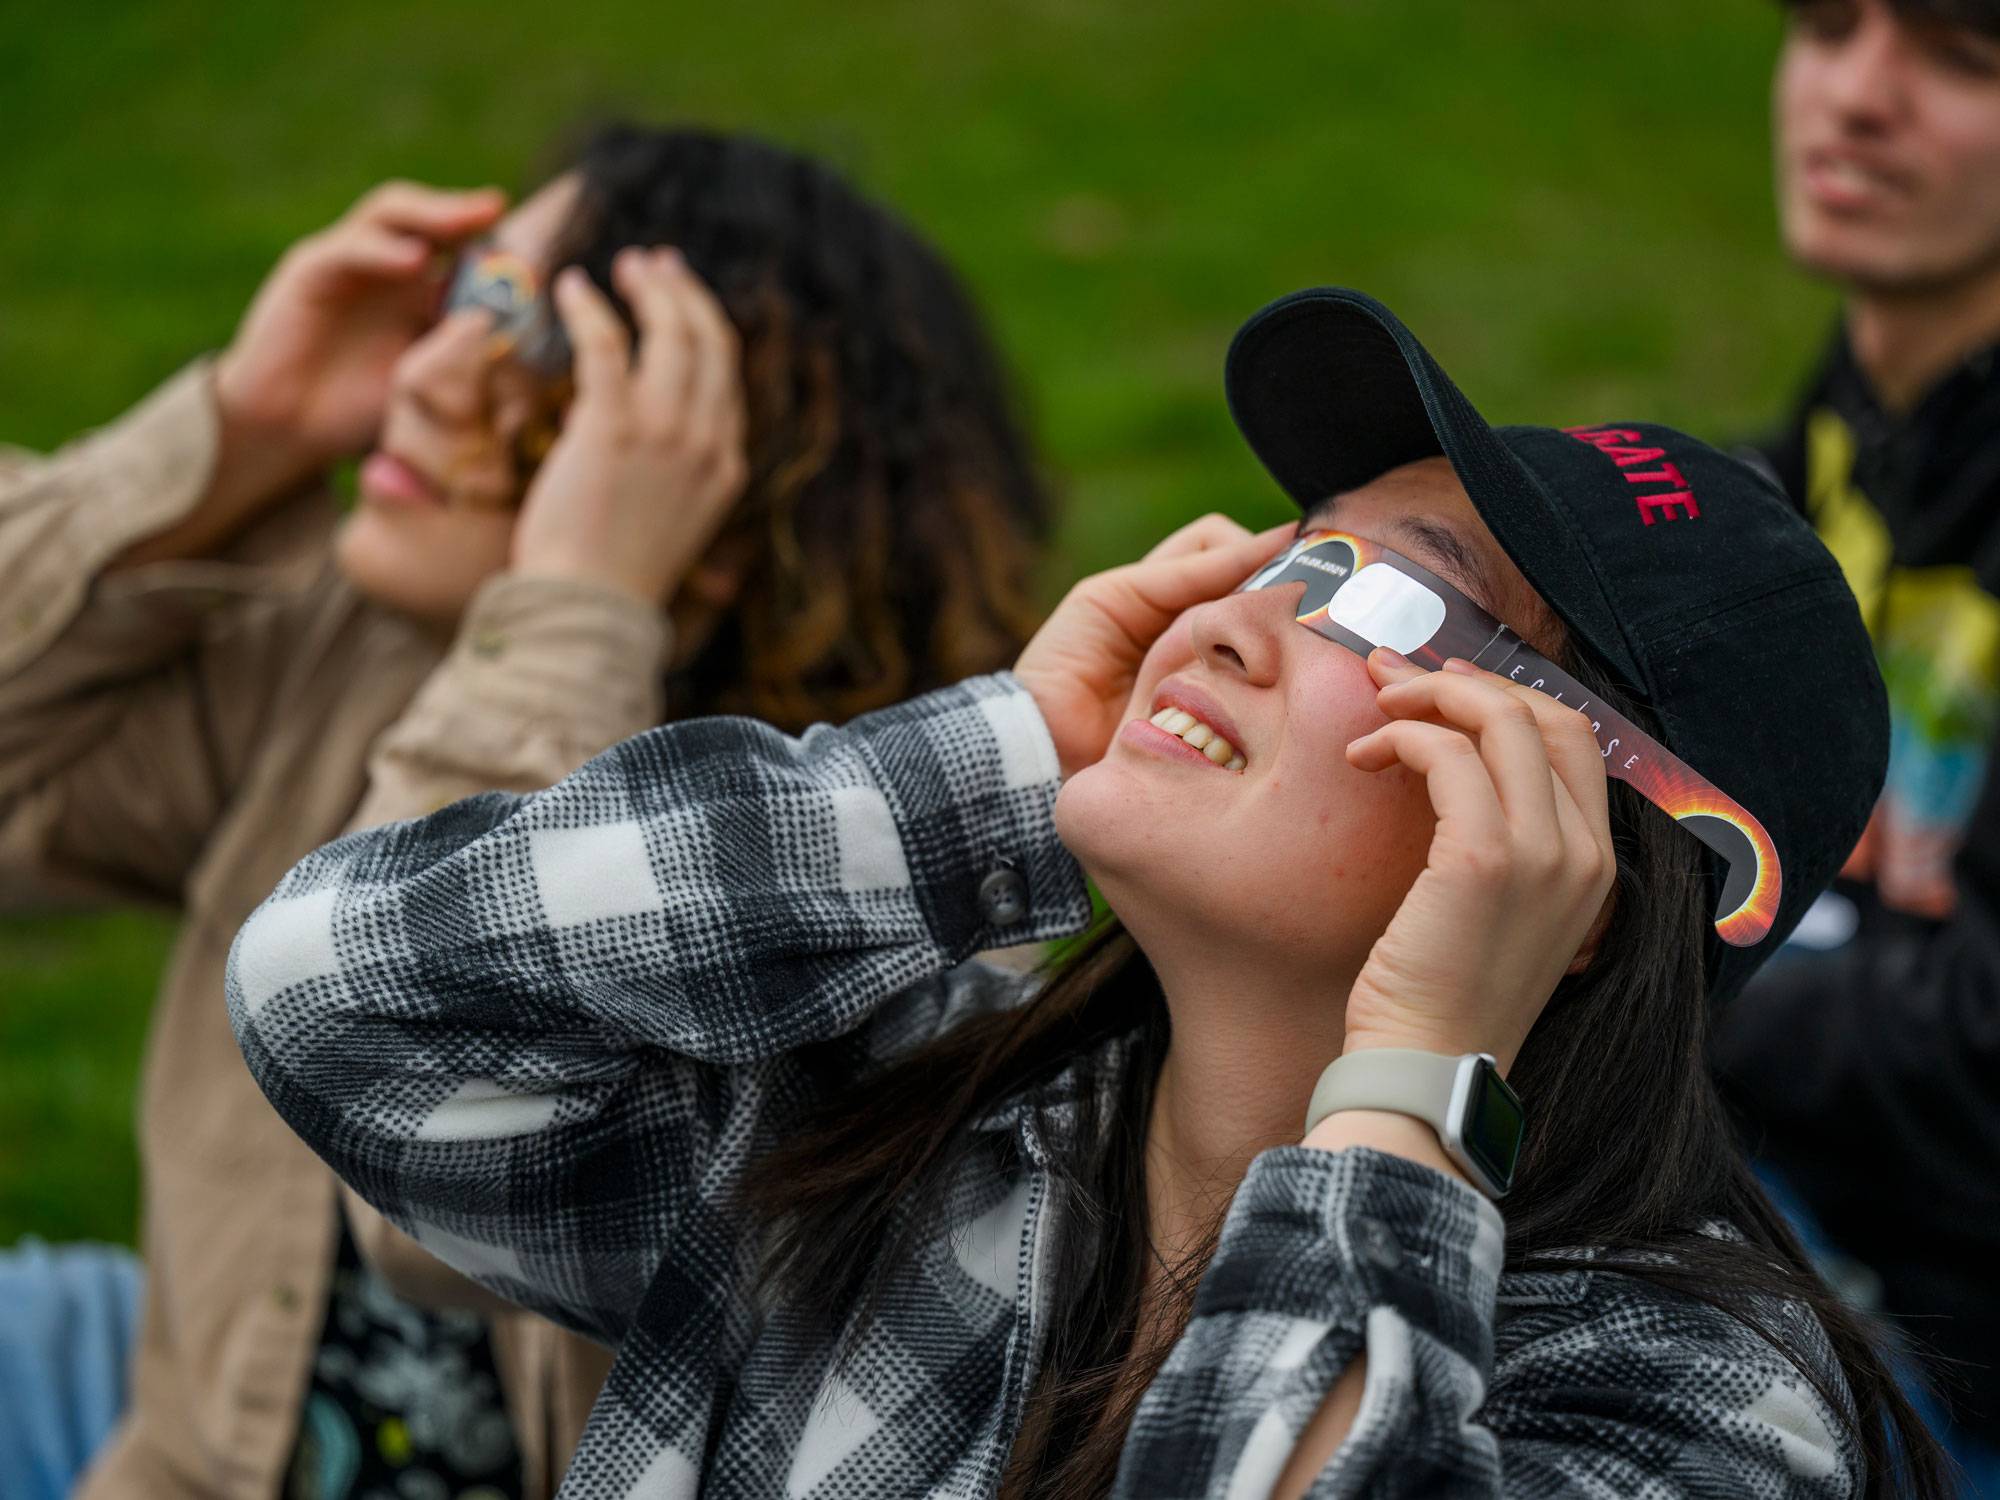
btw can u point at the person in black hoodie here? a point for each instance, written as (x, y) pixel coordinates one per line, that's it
(1866, 1063)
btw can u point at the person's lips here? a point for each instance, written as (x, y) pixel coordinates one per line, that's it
(1190, 725)
(1851, 182)
(384, 476)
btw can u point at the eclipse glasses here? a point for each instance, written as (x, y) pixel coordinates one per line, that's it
(525, 326)
(1362, 595)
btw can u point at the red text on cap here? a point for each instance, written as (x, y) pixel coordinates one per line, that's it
(1643, 465)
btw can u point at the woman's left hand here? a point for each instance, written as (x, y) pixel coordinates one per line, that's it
(651, 460)
(1519, 869)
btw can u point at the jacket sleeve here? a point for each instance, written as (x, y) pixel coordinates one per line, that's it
(542, 675)
(517, 1026)
(128, 699)
(1329, 1255)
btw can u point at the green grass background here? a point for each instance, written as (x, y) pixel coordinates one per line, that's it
(1571, 203)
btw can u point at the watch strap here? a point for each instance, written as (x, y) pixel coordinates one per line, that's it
(1400, 1080)
(1449, 1094)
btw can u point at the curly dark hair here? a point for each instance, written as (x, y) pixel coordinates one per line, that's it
(893, 505)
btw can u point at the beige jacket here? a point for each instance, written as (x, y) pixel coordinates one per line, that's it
(184, 732)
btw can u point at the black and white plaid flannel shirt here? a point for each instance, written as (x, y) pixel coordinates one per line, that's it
(547, 1033)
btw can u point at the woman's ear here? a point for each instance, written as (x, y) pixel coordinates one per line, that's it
(1586, 951)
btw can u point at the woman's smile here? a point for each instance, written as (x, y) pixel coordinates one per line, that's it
(1188, 724)
(1180, 736)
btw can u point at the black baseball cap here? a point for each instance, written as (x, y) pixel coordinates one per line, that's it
(1684, 570)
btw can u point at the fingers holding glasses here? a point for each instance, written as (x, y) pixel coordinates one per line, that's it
(440, 216)
(715, 378)
(664, 358)
(1537, 765)
(304, 378)
(689, 352)
(600, 347)
(397, 232)
(649, 461)
(1580, 784)
(1515, 884)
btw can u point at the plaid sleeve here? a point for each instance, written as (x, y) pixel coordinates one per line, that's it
(530, 1028)
(1620, 1388)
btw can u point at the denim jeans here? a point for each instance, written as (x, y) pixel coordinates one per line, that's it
(68, 1315)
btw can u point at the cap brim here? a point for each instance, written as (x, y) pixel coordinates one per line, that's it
(1331, 391)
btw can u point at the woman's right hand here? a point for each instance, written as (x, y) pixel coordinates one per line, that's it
(651, 459)
(1081, 664)
(305, 379)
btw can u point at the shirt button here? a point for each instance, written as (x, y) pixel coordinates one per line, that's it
(1003, 897)
(487, 643)
(1377, 1243)
(285, 1295)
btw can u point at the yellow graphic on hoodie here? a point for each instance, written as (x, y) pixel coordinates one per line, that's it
(1937, 639)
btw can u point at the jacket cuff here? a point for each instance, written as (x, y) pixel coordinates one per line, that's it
(1330, 1235)
(971, 776)
(84, 505)
(585, 662)
(544, 674)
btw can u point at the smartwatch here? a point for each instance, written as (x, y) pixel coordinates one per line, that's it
(1477, 1118)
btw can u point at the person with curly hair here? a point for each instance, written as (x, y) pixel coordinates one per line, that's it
(694, 428)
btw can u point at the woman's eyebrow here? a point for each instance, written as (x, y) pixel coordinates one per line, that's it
(1442, 545)
(1432, 542)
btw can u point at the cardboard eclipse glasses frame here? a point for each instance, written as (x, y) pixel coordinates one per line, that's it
(1362, 595)
(525, 326)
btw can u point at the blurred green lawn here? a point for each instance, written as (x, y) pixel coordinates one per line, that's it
(1570, 203)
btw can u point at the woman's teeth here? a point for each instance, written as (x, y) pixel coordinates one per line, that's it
(1186, 726)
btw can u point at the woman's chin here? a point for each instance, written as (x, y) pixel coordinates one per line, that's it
(1138, 847)
(1088, 815)
(426, 565)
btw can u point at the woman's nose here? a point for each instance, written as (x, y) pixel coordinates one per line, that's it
(1239, 635)
(445, 372)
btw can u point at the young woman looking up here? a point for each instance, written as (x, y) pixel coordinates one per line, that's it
(686, 1051)
(755, 455)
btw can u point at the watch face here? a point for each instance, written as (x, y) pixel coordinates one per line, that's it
(1491, 1130)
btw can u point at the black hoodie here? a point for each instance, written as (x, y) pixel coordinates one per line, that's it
(1868, 1069)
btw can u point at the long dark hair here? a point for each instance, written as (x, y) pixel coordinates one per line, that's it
(1621, 1042)
(893, 510)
